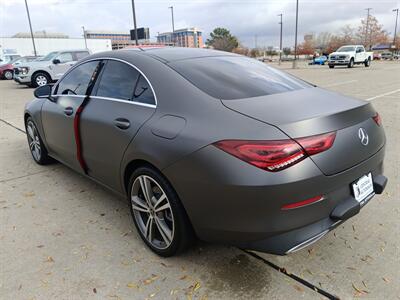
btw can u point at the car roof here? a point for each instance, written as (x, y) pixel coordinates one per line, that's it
(169, 54)
(351, 46)
(180, 53)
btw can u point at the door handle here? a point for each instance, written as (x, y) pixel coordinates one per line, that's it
(68, 111)
(122, 123)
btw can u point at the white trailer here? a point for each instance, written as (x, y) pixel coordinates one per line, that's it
(24, 47)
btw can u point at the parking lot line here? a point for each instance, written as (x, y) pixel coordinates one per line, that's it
(383, 95)
(340, 83)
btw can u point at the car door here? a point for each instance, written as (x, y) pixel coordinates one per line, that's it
(66, 61)
(58, 115)
(121, 102)
(360, 54)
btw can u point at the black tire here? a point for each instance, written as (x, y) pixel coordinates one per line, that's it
(331, 66)
(8, 75)
(183, 234)
(367, 63)
(39, 79)
(351, 63)
(43, 158)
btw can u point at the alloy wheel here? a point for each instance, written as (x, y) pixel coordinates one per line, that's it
(41, 80)
(8, 75)
(34, 141)
(152, 212)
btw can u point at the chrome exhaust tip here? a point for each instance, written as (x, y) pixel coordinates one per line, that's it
(306, 243)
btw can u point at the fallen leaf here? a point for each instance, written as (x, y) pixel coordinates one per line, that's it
(183, 277)
(165, 265)
(152, 295)
(29, 194)
(174, 291)
(386, 279)
(95, 290)
(49, 259)
(298, 288)
(196, 286)
(360, 292)
(150, 280)
(40, 246)
(132, 285)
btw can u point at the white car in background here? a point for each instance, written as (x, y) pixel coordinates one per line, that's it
(349, 56)
(48, 69)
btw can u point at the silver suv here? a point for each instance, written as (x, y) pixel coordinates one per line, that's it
(48, 69)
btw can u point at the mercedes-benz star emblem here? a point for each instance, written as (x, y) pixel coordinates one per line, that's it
(363, 136)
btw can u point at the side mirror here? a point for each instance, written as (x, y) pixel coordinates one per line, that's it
(56, 61)
(44, 92)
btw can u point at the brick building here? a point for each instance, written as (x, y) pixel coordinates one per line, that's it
(119, 39)
(187, 37)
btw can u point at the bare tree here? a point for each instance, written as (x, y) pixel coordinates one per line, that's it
(374, 34)
(322, 40)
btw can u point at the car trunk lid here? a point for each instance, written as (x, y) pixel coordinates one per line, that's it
(314, 111)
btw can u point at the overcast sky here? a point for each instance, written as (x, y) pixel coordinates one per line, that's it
(245, 19)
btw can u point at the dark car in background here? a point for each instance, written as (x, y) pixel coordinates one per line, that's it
(7, 70)
(212, 145)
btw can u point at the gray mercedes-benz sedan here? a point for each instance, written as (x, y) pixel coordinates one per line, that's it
(212, 145)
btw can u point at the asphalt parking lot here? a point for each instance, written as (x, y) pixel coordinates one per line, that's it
(64, 237)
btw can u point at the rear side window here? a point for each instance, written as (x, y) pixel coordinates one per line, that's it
(121, 81)
(80, 55)
(143, 92)
(76, 82)
(65, 57)
(228, 77)
(117, 81)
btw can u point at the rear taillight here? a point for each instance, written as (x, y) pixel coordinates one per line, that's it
(277, 155)
(377, 118)
(317, 143)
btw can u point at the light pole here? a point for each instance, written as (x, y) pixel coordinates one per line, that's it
(134, 22)
(295, 36)
(173, 23)
(84, 36)
(280, 40)
(366, 26)
(395, 27)
(30, 27)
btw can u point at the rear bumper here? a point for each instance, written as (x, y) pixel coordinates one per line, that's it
(229, 201)
(300, 238)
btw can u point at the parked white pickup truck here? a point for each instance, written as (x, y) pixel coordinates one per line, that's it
(350, 55)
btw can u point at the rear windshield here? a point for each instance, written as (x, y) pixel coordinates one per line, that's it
(345, 49)
(228, 78)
